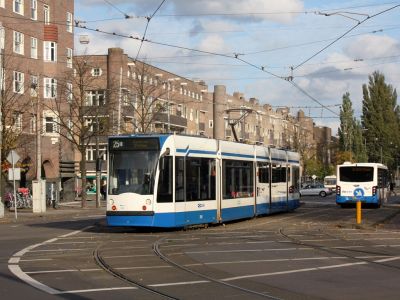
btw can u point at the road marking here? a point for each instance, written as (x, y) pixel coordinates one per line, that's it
(178, 283)
(60, 250)
(33, 260)
(293, 271)
(246, 250)
(16, 270)
(96, 290)
(388, 259)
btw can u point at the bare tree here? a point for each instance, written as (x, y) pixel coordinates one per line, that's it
(17, 110)
(149, 96)
(83, 111)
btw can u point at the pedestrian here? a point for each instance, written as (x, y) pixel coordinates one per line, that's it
(103, 189)
(391, 187)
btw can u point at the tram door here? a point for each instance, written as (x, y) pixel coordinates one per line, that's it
(263, 199)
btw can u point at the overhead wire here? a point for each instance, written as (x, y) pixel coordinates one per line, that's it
(236, 55)
(345, 33)
(147, 26)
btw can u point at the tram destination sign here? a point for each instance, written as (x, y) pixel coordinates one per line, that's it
(134, 144)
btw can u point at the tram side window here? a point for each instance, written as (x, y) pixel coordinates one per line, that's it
(295, 177)
(164, 190)
(263, 173)
(180, 179)
(237, 179)
(278, 174)
(200, 179)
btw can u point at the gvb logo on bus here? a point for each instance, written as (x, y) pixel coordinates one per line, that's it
(358, 193)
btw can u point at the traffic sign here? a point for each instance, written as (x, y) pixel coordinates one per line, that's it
(13, 157)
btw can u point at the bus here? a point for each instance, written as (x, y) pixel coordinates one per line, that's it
(330, 182)
(365, 182)
(172, 181)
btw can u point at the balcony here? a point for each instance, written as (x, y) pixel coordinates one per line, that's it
(174, 120)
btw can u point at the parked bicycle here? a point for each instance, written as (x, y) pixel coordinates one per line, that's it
(24, 199)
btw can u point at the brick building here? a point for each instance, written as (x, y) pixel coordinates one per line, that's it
(37, 52)
(180, 105)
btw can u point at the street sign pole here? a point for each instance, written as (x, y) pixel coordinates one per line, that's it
(15, 193)
(13, 157)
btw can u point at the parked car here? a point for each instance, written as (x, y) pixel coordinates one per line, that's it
(315, 190)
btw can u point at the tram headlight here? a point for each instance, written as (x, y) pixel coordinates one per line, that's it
(148, 201)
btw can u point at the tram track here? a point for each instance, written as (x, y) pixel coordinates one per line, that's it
(338, 250)
(100, 261)
(157, 251)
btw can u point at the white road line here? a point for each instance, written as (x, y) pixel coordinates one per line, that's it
(96, 290)
(127, 256)
(388, 259)
(178, 283)
(72, 242)
(293, 271)
(16, 270)
(245, 250)
(33, 260)
(61, 250)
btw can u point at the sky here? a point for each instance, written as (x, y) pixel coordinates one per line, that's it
(300, 54)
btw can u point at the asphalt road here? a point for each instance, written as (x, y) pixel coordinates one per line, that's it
(316, 252)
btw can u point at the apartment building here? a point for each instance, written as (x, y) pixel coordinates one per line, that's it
(36, 52)
(138, 97)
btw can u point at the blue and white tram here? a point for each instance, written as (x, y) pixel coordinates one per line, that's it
(177, 181)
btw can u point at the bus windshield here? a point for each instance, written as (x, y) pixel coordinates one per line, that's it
(356, 174)
(132, 172)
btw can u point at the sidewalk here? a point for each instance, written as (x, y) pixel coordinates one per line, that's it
(65, 211)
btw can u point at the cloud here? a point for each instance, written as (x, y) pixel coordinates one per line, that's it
(369, 46)
(282, 11)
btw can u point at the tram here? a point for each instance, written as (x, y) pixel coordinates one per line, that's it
(166, 180)
(365, 182)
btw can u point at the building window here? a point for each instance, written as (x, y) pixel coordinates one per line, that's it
(68, 91)
(50, 51)
(91, 152)
(34, 86)
(18, 82)
(17, 121)
(69, 58)
(34, 48)
(95, 98)
(18, 42)
(50, 88)
(50, 124)
(34, 9)
(32, 124)
(69, 22)
(2, 4)
(18, 6)
(46, 14)
(96, 72)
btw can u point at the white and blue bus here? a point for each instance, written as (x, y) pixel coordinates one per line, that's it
(164, 180)
(365, 182)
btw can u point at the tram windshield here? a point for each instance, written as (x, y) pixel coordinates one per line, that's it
(132, 172)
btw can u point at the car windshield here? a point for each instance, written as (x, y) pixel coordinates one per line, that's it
(132, 172)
